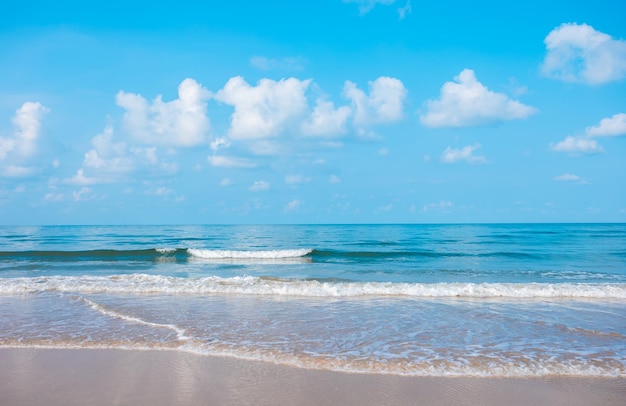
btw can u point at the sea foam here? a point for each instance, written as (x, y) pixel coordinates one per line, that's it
(249, 285)
(233, 254)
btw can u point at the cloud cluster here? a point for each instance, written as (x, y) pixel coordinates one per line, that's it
(182, 122)
(110, 161)
(384, 103)
(467, 102)
(579, 53)
(16, 149)
(263, 110)
(613, 126)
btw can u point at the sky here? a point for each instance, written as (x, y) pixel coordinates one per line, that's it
(334, 111)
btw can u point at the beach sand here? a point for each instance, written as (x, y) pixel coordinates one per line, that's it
(124, 377)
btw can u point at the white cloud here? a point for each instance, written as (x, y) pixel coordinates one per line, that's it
(467, 102)
(567, 177)
(110, 161)
(403, 11)
(586, 144)
(27, 122)
(296, 179)
(288, 62)
(611, 126)
(81, 179)
(365, 6)
(83, 194)
(226, 182)
(54, 197)
(326, 120)
(334, 179)
(579, 53)
(108, 156)
(570, 177)
(179, 123)
(573, 144)
(443, 205)
(385, 102)
(162, 191)
(452, 155)
(293, 205)
(260, 186)
(17, 171)
(263, 110)
(219, 143)
(230, 162)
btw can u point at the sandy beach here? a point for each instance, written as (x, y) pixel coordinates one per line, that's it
(123, 377)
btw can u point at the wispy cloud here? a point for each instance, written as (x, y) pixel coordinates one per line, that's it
(287, 63)
(452, 155)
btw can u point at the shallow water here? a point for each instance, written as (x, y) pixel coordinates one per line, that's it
(439, 300)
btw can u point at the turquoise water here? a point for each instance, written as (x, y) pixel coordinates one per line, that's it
(439, 300)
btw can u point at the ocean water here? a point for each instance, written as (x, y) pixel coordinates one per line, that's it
(433, 300)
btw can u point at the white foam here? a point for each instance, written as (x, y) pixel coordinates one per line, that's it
(232, 254)
(180, 333)
(166, 250)
(248, 285)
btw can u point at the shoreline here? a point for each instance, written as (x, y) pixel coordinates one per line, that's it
(34, 376)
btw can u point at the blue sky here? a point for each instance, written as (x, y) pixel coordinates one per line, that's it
(360, 111)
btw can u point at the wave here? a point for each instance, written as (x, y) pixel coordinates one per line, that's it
(248, 285)
(150, 254)
(182, 254)
(230, 254)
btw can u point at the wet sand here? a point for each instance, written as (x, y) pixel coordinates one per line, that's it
(119, 377)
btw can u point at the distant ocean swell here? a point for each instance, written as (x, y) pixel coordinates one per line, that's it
(249, 285)
(152, 254)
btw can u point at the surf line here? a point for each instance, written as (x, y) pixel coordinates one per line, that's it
(181, 334)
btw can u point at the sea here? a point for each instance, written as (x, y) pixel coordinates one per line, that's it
(494, 300)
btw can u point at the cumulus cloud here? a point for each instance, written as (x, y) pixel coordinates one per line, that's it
(365, 6)
(609, 127)
(385, 102)
(573, 144)
(467, 102)
(27, 123)
(260, 186)
(263, 110)
(182, 122)
(452, 155)
(109, 161)
(613, 126)
(325, 120)
(579, 53)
